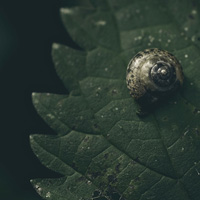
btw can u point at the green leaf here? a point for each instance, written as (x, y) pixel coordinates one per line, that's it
(102, 149)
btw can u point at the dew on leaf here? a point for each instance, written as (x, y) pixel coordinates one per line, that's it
(168, 40)
(50, 116)
(89, 182)
(194, 12)
(193, 38)
(101, 23)
(48, 195)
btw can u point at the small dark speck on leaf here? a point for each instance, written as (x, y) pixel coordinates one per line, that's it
(137, 159)
(112, 178)
(117, 167)
(113, 194)
(116, 196)
(74, 165)
(165, 118)
(106, 155)
(137, 179)
(96, 193)
(73, 127)
(96, 174)
(191, 16)
(197, 131)
(114, 91)
(133, 162)
(81, 179)
(186, 102)
(95, 126)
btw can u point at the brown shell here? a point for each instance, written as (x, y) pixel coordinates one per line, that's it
(153, 74)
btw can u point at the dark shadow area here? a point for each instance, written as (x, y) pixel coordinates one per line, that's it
(27, 31)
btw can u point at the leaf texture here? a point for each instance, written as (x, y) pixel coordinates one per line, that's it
(102, 149)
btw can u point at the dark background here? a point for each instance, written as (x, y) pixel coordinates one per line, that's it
(27, 31)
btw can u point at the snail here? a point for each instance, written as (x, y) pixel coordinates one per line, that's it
(153, 74)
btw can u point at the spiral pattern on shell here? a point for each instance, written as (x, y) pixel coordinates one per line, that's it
(152, 74)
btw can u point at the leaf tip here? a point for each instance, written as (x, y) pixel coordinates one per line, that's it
(55, 46)
(31, 137)
(34, 138)
(35, 98)
(66, 11)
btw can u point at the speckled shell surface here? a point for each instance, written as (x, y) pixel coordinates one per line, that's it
(153, 73)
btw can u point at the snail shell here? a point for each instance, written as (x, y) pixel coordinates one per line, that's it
(153, 74)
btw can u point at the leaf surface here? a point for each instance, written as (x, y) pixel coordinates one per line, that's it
(102, 149)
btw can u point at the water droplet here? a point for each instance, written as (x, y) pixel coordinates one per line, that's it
(186, 56)
(194, 12)
(101, 23)
(89, 182)
(193, 38)
(50, 116)
(48, 195)
(151, 39)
